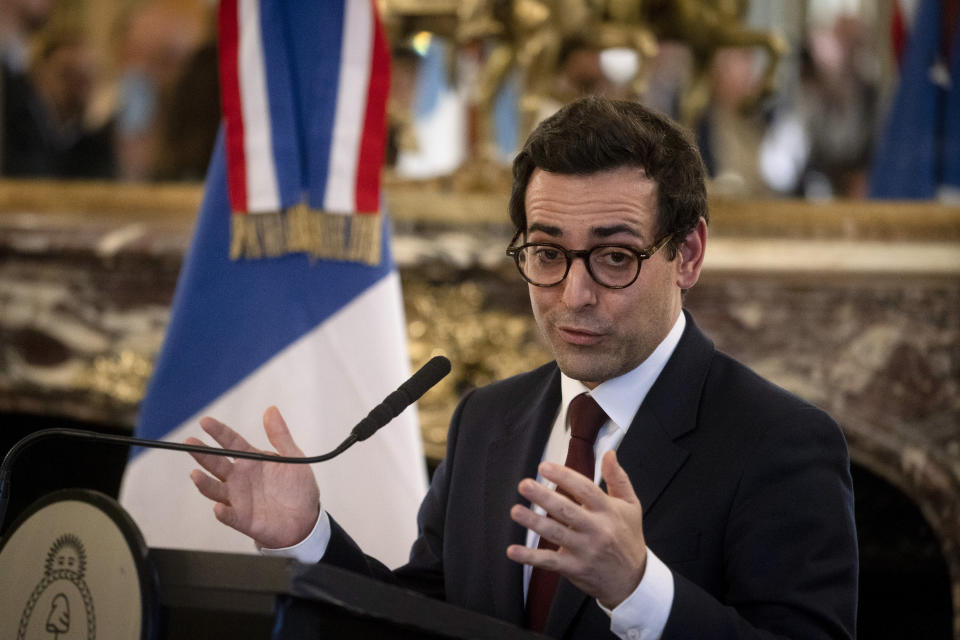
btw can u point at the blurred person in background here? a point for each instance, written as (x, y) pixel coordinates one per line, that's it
(191, 119)
(668, 73)
(580, 72)
(730, 132)
(46, 130)
(156, 41)
(820, 144)
(19, 21)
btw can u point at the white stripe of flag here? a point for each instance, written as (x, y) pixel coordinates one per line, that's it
(262, 192)
(355, 54)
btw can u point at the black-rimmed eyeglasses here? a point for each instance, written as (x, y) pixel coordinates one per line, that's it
(544, 264)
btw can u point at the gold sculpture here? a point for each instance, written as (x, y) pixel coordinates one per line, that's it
(706, 26)
(529, 36)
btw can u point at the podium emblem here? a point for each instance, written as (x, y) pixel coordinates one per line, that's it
(74, 566)
(60, 607)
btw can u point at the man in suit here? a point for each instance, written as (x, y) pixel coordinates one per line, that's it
(711, 503)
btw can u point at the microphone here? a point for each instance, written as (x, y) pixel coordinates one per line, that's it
(428, 375)
(409, 392)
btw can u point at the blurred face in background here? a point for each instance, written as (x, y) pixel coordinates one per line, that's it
(64, 78)
(31, 15)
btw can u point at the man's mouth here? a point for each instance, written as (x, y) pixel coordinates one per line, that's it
(579, 336)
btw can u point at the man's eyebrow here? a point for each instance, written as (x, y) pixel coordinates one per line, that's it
(556, 232)
(606, 232)
(599, 232)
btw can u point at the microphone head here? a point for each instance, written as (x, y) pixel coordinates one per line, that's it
(427, 376)
(408, 393)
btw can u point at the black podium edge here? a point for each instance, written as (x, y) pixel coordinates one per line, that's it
(186, 575)
(370, 598)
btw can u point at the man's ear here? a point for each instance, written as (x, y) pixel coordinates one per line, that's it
(690, 256)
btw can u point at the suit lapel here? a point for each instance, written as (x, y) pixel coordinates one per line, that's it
(648, 452)
(510, 458)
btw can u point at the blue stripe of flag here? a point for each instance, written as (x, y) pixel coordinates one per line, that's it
(317, 35)
(283, 115)
(230, 317)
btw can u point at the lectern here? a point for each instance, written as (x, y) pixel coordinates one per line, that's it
(347, 605)
(74, 565)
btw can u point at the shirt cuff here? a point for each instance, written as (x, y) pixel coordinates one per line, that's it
(643, 615)
(310, 550)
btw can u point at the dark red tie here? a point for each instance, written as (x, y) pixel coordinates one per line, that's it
(586, 418)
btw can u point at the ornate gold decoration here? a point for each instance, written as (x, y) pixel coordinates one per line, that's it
(121, 376)
(528, 36)
(706, 26)
(483, 342)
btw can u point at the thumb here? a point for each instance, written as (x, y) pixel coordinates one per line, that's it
(279, 434)
(618, 482)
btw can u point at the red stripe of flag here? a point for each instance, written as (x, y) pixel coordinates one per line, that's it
(898, 33)
(230, 97)
(373, 139)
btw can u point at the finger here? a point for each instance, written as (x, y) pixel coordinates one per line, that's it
(209, 488)
(279, 434)
(226, 514)
(577, 485)
(618, 482)
(558, 506)
(556, 532)
(544, 558)
(219, 466)
(224, 435)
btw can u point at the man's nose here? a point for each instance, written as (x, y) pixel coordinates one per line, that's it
(579, 287)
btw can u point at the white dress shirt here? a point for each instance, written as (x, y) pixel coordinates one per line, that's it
(643, 615)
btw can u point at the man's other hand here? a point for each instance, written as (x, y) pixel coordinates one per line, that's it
(600, 540)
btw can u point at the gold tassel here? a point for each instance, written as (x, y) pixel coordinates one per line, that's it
(271, 234)
(365, 238)
(236, 236)
(299, 232)
(323, 235)
(244, 243)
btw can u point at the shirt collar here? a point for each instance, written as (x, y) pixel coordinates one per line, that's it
(621, 397)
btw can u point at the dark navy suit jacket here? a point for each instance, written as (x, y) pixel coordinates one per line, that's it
(745, 488)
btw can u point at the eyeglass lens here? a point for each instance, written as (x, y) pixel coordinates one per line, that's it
(545, 264)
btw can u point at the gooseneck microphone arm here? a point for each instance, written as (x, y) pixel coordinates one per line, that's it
(408, 393)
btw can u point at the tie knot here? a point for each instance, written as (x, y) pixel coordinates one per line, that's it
(586, 418)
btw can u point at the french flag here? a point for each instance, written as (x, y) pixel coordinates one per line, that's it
(307, 315)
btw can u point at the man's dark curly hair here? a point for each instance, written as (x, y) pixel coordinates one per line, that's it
(596, 134)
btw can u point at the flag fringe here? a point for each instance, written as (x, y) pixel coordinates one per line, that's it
(323, 235)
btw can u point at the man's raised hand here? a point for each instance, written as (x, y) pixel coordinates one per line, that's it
(275, 504)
